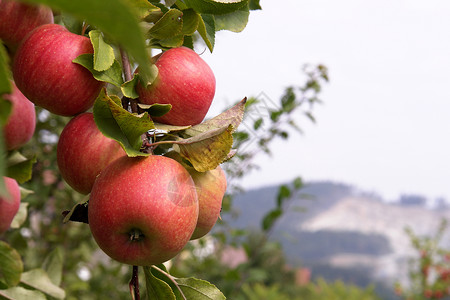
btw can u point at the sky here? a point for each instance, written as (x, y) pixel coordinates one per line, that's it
(384, 125)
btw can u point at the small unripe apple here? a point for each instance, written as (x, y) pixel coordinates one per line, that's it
(9, 206)
(17, 19)
(21, 122)
(186, 82)
(211, 186)
(83, 152)
(43, 70)
(143, 211)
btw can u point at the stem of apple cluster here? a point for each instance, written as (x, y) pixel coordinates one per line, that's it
(134, 284)
(127, 102)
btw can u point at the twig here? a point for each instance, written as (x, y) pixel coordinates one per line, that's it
(126, 102)
(134, 284)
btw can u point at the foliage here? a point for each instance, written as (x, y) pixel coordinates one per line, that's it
(320, 290)
(430, 272)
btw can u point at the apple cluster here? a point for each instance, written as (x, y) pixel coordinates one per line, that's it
(142, 210)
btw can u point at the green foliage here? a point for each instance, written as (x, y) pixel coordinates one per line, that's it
(429, 273)
(119, 124)
(312, 291)
(11, 267)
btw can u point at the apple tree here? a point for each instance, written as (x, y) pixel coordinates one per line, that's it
(144, 168)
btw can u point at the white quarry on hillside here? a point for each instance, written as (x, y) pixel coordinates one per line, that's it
(375, 217)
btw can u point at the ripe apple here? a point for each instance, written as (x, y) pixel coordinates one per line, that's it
(9, 206)
(44, 71)
(21, 122)
(17, 19)
(186, 82)
(143, 211)
(83, 152)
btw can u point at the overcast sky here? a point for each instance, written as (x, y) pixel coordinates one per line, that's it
(385, 122)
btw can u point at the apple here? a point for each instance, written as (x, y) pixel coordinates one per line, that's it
(21, 123)
(186, 82)
(83, 152)
(9, 206)
(17, 19)
(211, 186)
(143, 210)
(43, 70)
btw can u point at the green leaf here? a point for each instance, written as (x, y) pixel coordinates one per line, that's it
(233, 21)
(168, 26)
(191, 20)
(160, 272)
(19, 167)
(21, 293)
(143, 7)
(169, 3)
(11, 266)
(206, 150)
(269, 220)
(53, 265)
(283, 193)
(5, 84)
(39, 280)
(156, 288)
(216, 7)
(116, 18)
(199, 289)
(5, 110)
(169, 128)
(233, 116)
(258, 123)
(129, 88)
(112, 75)
(254, 5)
(207, 30)
(121, 125)
(21, 215)
(103, 53)
(156, 110)
(298, 183)
(72, 24)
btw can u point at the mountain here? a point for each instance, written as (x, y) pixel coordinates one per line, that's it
(341, 232)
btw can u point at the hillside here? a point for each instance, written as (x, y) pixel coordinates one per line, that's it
(342, 232)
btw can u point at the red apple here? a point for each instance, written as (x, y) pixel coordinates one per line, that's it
(44, 71)
(186, 82)
(143, 211)
(83, 152)
(211, 187)
(17, 19)
(21, 122)
(9, 206)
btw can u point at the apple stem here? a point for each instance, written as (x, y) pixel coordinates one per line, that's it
(84, 28)
(127, 102)
(134, 284)
(136, 235)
